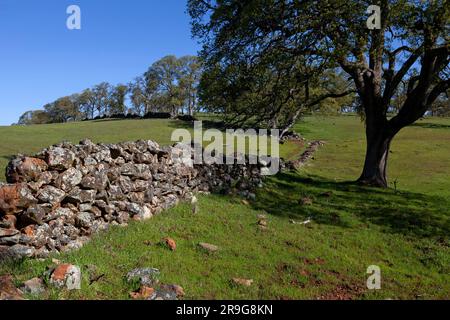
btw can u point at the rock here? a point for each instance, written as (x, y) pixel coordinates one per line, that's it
(243, 282)
(8, 222)
(140, 212)
(52, 195)
(9, 239)
(8, 232)
(34, 215)
(170, 243)
(28, 231)
(143, 293)
(60, 212)
(97, 181)
(245, 202)
(25, 169)
(262, 222)
(59, 158)
(69, 179)
(136, 171)
(66, 276)
(8, 290)
(208, 247)
(84, 219)
(16, 252)
(78, 195)
(14, 198)
(34, 286)
(167, 292)
(145, 276)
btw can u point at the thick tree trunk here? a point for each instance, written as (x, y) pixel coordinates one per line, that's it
(377, 152)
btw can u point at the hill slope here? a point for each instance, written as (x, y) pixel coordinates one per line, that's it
(404, 232)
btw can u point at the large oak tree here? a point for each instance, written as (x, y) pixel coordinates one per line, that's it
(288, 44)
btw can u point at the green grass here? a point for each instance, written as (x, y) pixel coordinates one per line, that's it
(419, 160)
(29, 140)
(403, 231)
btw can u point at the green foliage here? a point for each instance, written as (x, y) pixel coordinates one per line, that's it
(169, 85)
(261, 68)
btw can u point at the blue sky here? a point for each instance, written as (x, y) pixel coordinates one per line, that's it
(41, 60)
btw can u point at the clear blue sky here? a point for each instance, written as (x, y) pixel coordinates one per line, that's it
(41, 60)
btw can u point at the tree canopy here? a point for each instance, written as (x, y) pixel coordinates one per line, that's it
(270, 58)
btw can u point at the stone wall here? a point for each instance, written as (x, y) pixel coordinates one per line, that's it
(55, 200)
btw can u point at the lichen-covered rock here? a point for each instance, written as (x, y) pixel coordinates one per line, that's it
(59, 158)
(78, 195)
(25, 169)
(96, 181)
(69, 179)
(51, 194)
(84, 219)
(66, 276)
(8, 290)
(15, 197)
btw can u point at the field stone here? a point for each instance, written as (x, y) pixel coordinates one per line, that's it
(34, 215)
(84, 219)
(52, 195)
(78, 195)
(15, 197)
(33, 286)
(69, 179)
(19, 251)
(8, 222)
(208, 247)
(8, 232)
(145, 276)
(66, 276)
(59, 158)
(25, 169)
(8, 290)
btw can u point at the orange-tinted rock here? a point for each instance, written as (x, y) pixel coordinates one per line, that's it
(15, 197)
(8, 290)
(25, 169)
(28, 230)
(60, 271)
(170, 243)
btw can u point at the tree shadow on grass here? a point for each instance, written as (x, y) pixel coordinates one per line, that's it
(344, 203)
(429, 125)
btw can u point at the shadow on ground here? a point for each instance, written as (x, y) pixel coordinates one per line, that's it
(346, 204)
(429, 125)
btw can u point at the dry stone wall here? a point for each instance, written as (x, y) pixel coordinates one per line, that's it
(55, 200)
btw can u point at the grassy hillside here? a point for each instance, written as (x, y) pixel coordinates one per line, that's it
(404, 231)
(29, 140)
(419, 160)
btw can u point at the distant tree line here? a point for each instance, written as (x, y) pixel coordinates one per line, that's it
(168, 86)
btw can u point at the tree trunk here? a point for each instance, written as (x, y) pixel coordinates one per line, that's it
(377, 152)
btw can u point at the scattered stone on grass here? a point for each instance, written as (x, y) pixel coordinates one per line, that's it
(170, 243)
(33, 286)
(66, 276)
(144, 292)
(145, 276)
(242, 282)
(208, 247)
(8, 290)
